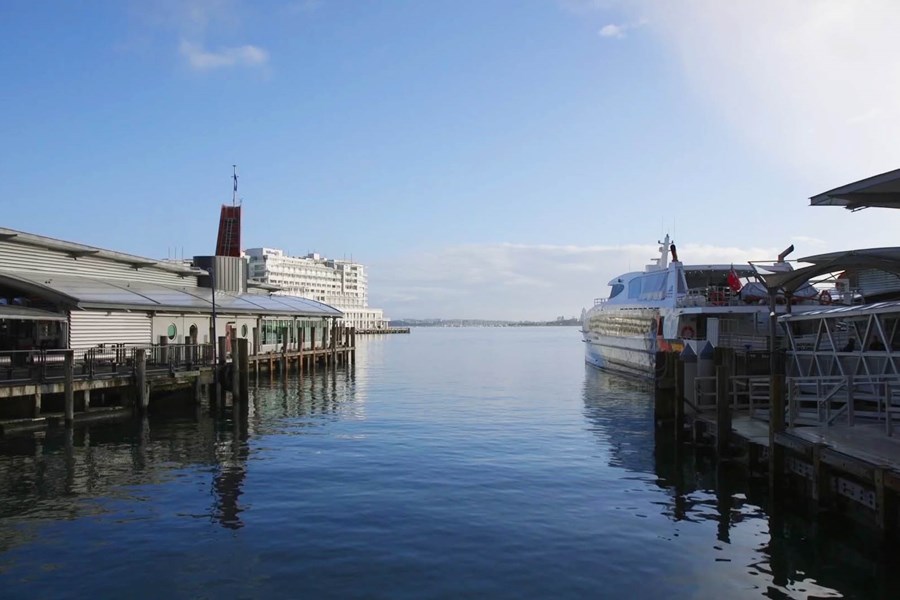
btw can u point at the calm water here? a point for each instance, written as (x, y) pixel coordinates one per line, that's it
(450, 463)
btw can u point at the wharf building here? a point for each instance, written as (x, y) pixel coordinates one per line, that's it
(59, 294)
(339, 283)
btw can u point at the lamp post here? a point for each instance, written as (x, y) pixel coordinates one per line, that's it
(212, 327)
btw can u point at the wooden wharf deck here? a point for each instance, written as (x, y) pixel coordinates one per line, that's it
(845, 460)
(49, 388)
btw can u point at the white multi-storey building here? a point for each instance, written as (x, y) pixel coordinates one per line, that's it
(339, 283)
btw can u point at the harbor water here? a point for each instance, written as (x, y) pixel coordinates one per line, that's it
(447, 463)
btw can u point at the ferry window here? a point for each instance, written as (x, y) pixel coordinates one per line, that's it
(244, 330)
(172, 331)
(634, 288)
(616, 290)
(653, 286)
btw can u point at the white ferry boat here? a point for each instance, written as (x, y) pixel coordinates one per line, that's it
(669, 305)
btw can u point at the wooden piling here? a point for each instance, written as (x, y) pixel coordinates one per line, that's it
(37, 401)
(679, 399)
(243, 364)
(143, 394)
(235, 371)
(70, 386)
(724, 363)
(300, 364)
(776, 426)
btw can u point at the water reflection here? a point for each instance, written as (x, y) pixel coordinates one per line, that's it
(71, 473)
(799, 555)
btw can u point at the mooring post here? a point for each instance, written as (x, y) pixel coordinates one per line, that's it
(821, 486)
(723, 405)
(69, 386)
(164, 349)
(143, 395)
(37, 400)
(235, 372)
(679, 398)
(776, 426)
(325, 343)
(300, 355)
(244, 368)
(663, 404)
(86, 399)
(284, 349)
(353, 345)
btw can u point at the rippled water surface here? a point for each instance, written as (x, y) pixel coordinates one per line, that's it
(449, 463)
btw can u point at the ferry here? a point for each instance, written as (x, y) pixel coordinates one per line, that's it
(669, 305)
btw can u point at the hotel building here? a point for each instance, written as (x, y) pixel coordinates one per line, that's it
(338, 283)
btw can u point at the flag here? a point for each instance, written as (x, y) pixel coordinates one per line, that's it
(734, 282)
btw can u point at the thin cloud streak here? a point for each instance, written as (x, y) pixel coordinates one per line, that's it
(241, 56)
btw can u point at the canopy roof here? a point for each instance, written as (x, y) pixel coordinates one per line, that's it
(884, 259)
(86, 292)
(881, 190)
(12, 312)
(844, 311)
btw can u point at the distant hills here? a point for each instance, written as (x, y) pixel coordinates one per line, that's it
(559, 321)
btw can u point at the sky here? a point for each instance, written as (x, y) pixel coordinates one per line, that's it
(496, 159)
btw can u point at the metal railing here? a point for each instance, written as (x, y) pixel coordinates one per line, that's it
(44, 365)
(830, 399)
(20, 366)
(746, 393)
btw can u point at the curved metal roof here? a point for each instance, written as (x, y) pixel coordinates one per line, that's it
(86, 292)
(880, 190)
(885, 259)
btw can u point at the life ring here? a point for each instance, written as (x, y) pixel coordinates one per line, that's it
(825, 297)
(687, 332)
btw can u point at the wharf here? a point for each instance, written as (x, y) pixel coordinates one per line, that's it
(54, 388)
(383, 330)
(839, 453)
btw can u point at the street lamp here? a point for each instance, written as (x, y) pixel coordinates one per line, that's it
(212, 327)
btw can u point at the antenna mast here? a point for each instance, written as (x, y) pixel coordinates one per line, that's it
(235, 177)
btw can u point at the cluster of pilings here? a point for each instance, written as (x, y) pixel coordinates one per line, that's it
(735, 406)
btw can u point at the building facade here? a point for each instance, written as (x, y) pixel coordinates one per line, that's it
(339, 283)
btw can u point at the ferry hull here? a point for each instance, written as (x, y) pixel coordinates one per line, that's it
(635, 356)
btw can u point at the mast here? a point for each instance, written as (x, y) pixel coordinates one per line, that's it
(235, 177)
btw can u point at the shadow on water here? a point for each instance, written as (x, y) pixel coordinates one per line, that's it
(806, 555)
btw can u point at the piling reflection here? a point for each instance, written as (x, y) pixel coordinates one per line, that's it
(802, 555)
(69, 473)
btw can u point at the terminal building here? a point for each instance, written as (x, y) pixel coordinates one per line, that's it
(338, 283)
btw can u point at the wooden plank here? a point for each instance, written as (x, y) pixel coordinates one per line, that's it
(794, 443)
(849, 464)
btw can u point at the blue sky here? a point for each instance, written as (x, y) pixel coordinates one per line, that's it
(485, 158)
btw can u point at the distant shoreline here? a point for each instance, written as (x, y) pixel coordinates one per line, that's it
(483, 323)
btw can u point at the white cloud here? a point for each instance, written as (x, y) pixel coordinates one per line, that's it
(813, 84)
(518, 281)
(197, 23)
(612, 31)
(241, 56)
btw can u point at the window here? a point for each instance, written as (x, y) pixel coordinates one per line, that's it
(172, 331)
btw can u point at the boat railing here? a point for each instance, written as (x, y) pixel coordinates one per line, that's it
(710, 296)
(743, 341)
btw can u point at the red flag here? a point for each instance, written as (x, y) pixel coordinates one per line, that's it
(734, 281)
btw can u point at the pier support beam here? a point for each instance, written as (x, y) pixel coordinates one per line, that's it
(70, 386)
(143, 392)
(37, 401)
(243, 369)
(235, 372)
(723, 401)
